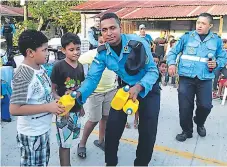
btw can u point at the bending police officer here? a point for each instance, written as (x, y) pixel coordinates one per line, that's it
(119, 55)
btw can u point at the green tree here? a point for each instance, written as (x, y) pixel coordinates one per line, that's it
(58, 12)
(21, 26)
(12, 3)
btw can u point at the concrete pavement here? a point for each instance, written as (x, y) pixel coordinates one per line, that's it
(208, 151)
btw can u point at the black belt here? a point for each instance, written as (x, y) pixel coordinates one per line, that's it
(121, 83)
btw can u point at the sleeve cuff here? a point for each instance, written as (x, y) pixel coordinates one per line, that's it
(81, 100)
(171, 62)
(145, 90)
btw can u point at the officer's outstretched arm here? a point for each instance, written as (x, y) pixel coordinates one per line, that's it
(92, 79)
(151, 75)
(172, 55)
(221, 57)
(91, 38)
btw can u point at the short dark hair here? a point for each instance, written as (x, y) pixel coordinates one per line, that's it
(172, 42)
(224, 40)
(208, 15)
(154, 55)
(31, 39)
(162, 62)
(68, 38)
(109, 16)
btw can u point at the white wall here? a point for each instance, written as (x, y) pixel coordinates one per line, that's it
(184, 27)
(224, 34)
(156, 33)
(86, 23)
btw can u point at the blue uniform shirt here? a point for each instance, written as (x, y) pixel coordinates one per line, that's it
(146, 77)
(6, 89)
(91, 38)
(194, 55)
(12, 26)
(148, 38)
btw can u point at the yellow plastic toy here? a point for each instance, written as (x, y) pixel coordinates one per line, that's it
(68, 101)
(131, 107)
(120, 98)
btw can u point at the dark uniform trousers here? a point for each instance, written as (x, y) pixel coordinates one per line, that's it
(188, 88)
(9, 43)
(148, 120)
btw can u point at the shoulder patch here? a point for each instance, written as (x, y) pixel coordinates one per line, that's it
(101, 48)
(134, 43)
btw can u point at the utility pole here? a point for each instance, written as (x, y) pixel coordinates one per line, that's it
(26, 11)
(24, 3)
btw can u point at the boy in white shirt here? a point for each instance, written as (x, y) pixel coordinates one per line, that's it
(32, 100)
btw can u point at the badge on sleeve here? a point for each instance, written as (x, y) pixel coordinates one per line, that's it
(147, 60)
(126, 48)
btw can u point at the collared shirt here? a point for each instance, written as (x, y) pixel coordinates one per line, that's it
(91, 38)
(195, 53)
(13, 29)
(148, 38)
(146, 77)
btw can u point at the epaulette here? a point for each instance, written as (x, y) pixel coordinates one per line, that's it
(133, 43)
(101, 48)
(217, 35)
(186, 33)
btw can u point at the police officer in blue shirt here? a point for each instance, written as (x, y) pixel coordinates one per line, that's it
(147, 37)
(93, 34)
(129, 56)
(7, 30)
(202, 54)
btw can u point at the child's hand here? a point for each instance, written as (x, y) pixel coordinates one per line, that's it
(55, 108)
(82, 112)
(57, 97)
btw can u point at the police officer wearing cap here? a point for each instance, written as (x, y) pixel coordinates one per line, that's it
(7, 30)
(202, 54)
(93, 34)
(147, 37)
(130, 58)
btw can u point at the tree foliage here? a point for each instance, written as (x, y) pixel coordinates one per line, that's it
(58, 12)
(21, 26)
(12, 3)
